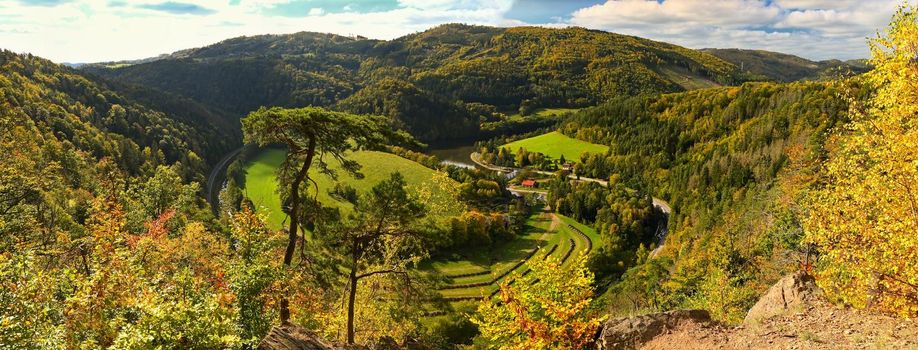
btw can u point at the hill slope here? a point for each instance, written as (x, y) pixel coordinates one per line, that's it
(68, 138)
(494, 69)
(782, 67)
(726, 159)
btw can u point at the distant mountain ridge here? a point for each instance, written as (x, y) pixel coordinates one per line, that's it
(505, 70)
(786, 68)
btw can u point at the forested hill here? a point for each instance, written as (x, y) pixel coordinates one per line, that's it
(731, 161)
(500, 71)
(786, 68)
(97, 119)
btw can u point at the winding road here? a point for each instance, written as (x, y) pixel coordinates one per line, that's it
(212, 188)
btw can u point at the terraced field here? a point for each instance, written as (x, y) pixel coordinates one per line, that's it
(473, 274)
(479, 274)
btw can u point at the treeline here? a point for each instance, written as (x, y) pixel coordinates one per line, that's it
(786, 68)
(709, 143)
(495, 216)
(450, 82)
(87, 113)
(522, 158)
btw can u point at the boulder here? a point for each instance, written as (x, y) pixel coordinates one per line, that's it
(792, 291)
(290, 337)
(632, 332)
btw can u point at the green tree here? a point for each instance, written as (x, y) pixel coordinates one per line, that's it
(380, 237)
(312, 136)
(252, 273)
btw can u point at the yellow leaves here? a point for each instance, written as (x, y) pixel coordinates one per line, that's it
(541, 310)
(865, 216)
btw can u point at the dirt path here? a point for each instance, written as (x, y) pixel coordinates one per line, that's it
(555, 221)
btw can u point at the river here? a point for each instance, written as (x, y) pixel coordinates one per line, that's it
(458, 155)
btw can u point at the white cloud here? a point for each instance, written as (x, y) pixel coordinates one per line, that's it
(95, 30)
(817, 29)
(687, 13)
(92, 31)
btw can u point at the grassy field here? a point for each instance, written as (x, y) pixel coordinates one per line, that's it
(433, 187)
(555, 144)
(541, 234)
(541, 112)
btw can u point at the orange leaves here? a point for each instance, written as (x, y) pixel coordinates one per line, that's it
(156, 229)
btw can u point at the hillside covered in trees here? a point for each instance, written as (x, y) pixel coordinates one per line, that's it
(786, 68)
(485, 73)
(721, 157)
(107, 242)
(86, 172)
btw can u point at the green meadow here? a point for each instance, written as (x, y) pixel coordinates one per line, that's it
(439, 192)
(436, 189)
(555, 144)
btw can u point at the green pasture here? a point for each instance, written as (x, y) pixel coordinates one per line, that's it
(436, 189)
(555, 144)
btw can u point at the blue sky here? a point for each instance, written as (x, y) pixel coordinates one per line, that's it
(103, 30)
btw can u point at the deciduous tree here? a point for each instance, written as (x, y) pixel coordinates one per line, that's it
(541, 310)
(864, 217)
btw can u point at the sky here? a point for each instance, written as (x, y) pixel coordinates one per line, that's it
(80, 31)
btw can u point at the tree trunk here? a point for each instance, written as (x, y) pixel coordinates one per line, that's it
(350, 307)
(294, 221)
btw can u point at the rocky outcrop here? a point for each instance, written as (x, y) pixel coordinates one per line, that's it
(290, 337)
(632, 332)
(791, 292)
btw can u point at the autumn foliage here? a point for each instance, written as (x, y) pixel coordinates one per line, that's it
(541, 310)
(864, 217)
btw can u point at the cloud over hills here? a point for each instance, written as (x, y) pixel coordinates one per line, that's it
(99, 30)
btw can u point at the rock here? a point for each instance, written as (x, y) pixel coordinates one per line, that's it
(290, 337)
(632, 332)
(790, 292)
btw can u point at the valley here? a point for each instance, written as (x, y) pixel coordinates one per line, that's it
(470, 274)
(483, 181)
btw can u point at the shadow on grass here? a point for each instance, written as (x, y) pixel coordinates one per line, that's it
(498, 256)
